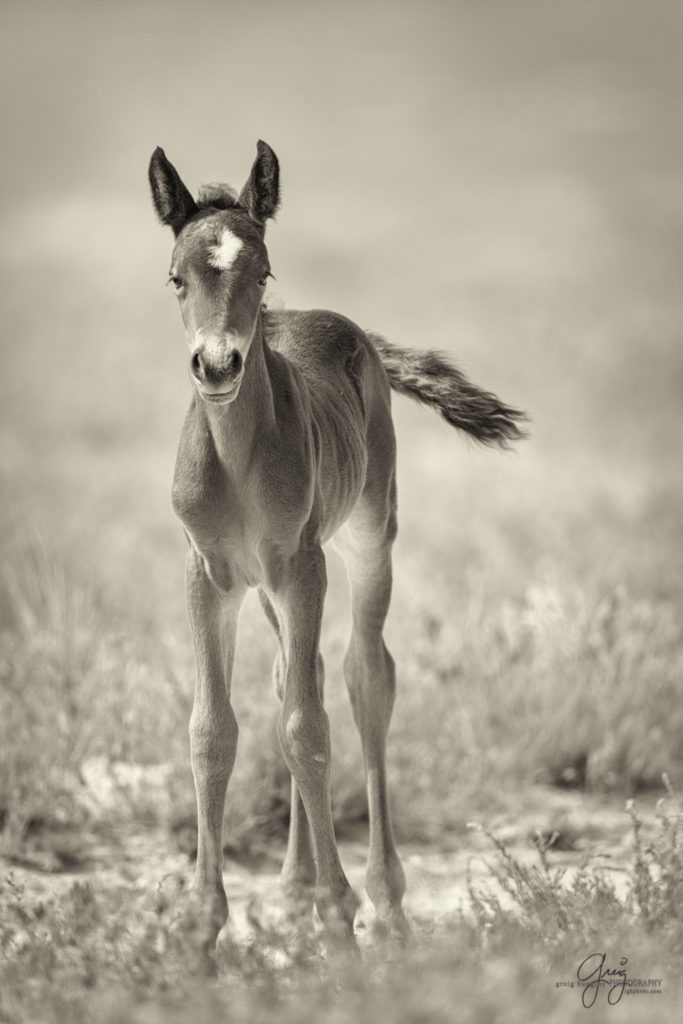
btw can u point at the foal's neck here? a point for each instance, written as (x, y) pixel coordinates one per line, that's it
(235, 428)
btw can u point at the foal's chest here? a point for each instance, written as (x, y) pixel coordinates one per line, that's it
(245, 530)
(211, 513)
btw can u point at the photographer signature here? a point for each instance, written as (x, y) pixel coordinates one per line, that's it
(593, 973)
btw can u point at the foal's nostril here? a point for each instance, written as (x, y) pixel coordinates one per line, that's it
(196, 364)
(235, 362)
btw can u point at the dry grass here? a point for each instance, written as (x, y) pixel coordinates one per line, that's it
(563, 680)
(117, 955)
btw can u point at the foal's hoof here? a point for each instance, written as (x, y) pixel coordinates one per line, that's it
(302, 944)
(392, 932)
(196, 919)
(339, 939)
(341, 948)
(337, 917)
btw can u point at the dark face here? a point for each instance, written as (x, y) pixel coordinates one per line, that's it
(219, 269)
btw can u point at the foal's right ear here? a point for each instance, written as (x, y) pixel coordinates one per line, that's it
(261, 194)
(171, 199)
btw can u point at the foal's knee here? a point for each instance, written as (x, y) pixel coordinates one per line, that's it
(213, 736)
(304, 736)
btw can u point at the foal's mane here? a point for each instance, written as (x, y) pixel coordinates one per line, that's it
(218, 196)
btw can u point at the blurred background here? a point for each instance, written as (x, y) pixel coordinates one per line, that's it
(502, 181)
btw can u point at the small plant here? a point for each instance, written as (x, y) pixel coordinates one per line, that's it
(656, 883)
(546, 908)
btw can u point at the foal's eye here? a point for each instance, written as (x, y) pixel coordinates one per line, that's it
(264, 278)
(176, 281)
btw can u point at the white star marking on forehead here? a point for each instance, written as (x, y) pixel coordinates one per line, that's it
(223, 254)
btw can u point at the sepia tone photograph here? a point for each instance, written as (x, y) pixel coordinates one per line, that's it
(341, 581)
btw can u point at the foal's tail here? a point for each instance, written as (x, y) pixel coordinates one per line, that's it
(429, 378)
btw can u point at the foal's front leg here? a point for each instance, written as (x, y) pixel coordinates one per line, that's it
(304, 733)
(213, 733)
(298, 869)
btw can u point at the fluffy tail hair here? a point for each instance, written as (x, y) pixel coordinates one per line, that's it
(429, 378)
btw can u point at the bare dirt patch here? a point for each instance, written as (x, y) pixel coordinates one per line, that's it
(580, 830)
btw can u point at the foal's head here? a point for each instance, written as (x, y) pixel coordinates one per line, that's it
(219, 266)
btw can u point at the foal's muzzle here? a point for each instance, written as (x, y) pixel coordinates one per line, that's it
(217, 373)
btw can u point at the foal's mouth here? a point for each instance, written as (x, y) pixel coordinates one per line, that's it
(220, 397)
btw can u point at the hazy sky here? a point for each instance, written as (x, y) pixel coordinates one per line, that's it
(501, 179)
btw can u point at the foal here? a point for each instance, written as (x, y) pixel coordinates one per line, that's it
(288, 442)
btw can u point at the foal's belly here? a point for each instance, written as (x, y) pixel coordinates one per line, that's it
(339, 497)
(342, 464)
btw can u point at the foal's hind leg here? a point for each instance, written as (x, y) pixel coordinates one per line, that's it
(370, 678)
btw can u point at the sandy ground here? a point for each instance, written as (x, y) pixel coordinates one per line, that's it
(588, 829)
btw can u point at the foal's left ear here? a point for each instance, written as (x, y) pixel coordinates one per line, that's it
(261, 194)
(171, 199)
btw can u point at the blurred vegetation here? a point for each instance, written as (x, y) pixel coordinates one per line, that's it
(564, 680)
